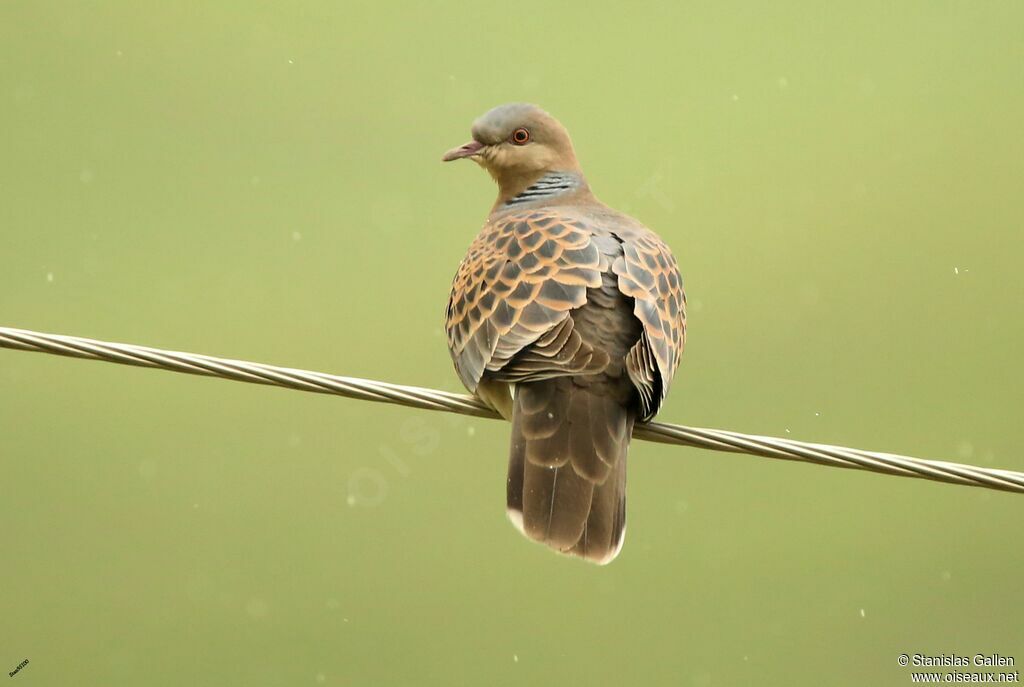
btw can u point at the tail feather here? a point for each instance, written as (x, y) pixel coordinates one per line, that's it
(567, 466)
(605, 530)
(556, 502)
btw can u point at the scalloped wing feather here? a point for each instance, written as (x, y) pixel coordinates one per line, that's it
(521, 277)
(648, 273)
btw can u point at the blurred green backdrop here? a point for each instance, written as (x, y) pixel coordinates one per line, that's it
(841, 184)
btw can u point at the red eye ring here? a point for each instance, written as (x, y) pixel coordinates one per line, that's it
(520, 137)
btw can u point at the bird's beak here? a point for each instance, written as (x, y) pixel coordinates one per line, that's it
(466, 150)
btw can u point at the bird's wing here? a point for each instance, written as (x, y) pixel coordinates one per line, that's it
(512, 295)
(647, 272)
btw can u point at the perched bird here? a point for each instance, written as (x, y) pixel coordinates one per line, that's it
(569, 319)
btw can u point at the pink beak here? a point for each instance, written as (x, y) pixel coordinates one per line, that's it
(466, 150)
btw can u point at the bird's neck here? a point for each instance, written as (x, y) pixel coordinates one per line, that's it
(541, 189)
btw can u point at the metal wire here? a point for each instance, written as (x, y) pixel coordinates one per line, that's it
(432, 399)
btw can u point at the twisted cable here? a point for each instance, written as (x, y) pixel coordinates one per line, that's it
(433, 399)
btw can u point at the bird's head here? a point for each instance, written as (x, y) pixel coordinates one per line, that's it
(518, 143)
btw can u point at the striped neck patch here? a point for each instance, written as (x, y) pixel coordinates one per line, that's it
(548, 186)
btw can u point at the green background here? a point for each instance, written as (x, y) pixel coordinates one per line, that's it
(841, 184)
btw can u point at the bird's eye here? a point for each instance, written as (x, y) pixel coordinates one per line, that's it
(520, 137)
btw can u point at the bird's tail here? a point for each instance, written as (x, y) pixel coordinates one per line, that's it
(567, 467)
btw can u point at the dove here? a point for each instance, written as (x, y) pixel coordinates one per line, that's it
(569, 319)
